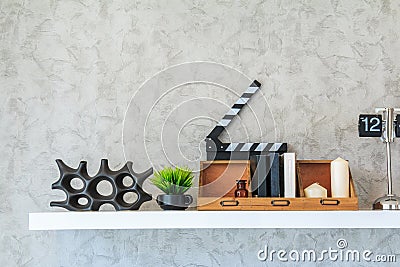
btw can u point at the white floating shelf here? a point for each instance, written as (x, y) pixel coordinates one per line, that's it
(213, 219)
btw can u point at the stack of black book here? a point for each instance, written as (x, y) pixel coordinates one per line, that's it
(267, 175)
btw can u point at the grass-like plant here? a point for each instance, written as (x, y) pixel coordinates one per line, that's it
(173, 181)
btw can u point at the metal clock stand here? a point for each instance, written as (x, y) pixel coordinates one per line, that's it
(389, 201)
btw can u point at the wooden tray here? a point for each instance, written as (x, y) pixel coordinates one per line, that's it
(308, 172)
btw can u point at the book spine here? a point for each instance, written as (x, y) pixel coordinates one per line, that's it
(289, 165)
(275, 179)
(260, 165)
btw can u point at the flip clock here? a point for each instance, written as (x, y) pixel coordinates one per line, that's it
(385, 126)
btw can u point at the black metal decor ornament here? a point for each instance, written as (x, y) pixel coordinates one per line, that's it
(88, 198)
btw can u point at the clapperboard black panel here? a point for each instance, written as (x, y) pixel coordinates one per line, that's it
(216, 150)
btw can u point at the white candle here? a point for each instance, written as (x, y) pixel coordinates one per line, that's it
(316, 190)
(340, 178)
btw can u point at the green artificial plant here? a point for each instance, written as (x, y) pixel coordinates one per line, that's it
(173, 181)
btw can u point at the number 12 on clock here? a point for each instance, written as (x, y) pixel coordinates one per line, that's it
(370, 125)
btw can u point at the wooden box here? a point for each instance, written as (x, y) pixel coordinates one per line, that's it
(308, 172)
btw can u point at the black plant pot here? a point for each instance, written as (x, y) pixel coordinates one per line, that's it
(174, 202)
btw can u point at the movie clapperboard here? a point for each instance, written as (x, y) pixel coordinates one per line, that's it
(216, 150)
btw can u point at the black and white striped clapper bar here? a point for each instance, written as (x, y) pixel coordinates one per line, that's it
(216, 150)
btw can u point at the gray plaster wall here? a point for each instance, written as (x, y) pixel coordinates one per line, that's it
(68, 70)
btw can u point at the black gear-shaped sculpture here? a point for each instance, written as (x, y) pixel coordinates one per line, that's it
(88, 193)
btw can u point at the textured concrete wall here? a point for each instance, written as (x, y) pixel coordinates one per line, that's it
(69, 68)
